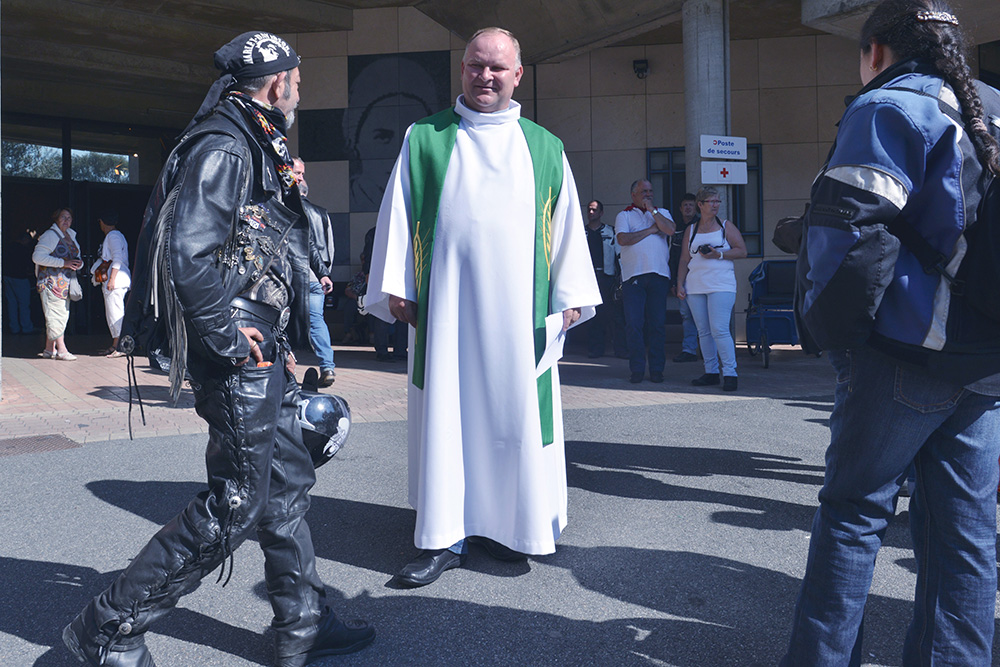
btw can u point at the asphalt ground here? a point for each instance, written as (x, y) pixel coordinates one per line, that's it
(689, 516)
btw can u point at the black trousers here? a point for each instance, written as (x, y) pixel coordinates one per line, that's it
(259, 477)
(609, 319)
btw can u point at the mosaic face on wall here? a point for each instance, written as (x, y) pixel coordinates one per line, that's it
(386, 93)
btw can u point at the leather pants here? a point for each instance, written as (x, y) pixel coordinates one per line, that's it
(259, 477)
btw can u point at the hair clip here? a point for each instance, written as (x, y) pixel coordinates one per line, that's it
(937, 17)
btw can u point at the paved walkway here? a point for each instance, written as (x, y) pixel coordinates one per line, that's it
(87, 400)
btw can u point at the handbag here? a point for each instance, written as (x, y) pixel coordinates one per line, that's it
(102, 271)
(75, 289)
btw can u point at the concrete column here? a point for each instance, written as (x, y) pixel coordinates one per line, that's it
(706, 83)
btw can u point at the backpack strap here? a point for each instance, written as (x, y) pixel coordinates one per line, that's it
(946, 108)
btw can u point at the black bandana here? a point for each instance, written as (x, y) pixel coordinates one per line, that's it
(268, 124)
(253, 54)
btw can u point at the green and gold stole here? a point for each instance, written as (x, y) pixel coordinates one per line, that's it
(431, 142)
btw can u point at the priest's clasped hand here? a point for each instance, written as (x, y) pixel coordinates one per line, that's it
(570, 316)
(403, 310)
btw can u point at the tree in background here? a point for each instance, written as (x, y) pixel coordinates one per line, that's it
(37, 161)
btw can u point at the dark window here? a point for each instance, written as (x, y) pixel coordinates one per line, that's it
(989, 63)
(667, 172)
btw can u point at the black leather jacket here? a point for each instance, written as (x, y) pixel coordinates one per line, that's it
(319, 260)
(320, 256)
(214, 225)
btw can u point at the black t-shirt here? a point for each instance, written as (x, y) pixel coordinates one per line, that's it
(675, 243)
(596, 243)
(17, 256)
(366, 252)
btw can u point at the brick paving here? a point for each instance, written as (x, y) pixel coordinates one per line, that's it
(88, 400)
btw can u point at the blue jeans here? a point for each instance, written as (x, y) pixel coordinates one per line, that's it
(645, 301)
(690, 342)
(319, 333)
(884, 418)
(712, 313)
(17, 292)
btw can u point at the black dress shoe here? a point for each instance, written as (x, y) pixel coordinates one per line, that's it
(729, 383)
(335, 637)
(635, 378)
(327, 378)
(497, 550)
(685, 356)
(428, 566)
(706, 380)
(655, 377)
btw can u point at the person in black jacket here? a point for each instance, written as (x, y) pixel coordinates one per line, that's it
(320, 283)
(214, 269)
(18, 279)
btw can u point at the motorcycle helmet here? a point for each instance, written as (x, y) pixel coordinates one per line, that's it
(325, 420)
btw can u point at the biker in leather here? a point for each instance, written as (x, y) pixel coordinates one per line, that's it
(219, 226)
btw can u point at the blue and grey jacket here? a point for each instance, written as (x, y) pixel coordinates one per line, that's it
(896, 154)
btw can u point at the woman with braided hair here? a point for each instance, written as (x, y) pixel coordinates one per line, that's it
(910, 157)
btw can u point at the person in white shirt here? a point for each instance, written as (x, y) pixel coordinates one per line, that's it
(706, 279)
(110, 271)
(643, 232)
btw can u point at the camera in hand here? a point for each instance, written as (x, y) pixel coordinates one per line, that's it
(705, 249)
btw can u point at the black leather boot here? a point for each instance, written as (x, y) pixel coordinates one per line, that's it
(294, 588)
(334, 637)
(305, 628)
(92, 647)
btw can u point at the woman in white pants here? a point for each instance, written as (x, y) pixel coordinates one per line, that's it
(707, 280)
(57, 259)
(111, 272)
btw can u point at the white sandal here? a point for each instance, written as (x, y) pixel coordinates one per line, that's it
(68, 356)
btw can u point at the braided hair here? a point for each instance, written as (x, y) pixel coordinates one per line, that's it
(927, 29)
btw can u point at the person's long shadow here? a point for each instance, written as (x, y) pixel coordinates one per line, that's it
(379, 537)
(40, 598)
(46, 595)
(152, 394)
(624, 470)
(733, 613)
(694, 461)
(817, 405)
(367, 535)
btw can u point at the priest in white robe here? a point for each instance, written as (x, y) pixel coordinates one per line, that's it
(479, 239)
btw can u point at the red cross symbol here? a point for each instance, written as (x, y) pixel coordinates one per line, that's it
(724, 172)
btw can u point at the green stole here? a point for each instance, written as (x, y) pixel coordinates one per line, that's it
(431, 142)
